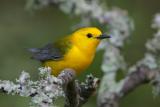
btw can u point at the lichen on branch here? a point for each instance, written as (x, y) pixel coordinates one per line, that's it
(42, 92)
(48, 88)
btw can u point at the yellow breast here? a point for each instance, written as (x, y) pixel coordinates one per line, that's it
(75, 59)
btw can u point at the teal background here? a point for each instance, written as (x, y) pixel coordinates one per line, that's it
(20, 30)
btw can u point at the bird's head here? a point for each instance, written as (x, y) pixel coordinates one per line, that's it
(88, 37)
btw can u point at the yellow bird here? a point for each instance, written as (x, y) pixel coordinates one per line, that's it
(75, 51)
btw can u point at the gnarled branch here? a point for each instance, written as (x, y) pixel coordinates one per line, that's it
(141, 75)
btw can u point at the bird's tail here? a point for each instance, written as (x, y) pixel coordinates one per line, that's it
(35, 53)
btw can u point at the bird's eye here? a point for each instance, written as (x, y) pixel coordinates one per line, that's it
(89, 35)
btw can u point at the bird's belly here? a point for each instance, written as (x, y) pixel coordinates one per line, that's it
(75, 59)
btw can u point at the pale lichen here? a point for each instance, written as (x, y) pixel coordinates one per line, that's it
(151, 57)
(42, 92)
(156, 21)
(120, 25)
(153, 44)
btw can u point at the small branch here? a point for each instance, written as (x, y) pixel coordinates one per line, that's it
(78, 94)
(141, 75)
(70, 89)
(71, 95)
(88, 89)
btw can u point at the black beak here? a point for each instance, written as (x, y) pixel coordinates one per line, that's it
(103, 36)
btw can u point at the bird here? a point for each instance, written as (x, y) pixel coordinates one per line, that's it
(75, 51)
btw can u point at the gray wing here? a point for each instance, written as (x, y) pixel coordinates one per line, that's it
(48, 52)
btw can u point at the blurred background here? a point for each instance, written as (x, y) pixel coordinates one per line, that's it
(20, 29)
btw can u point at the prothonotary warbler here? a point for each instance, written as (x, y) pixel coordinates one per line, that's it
(75, 51)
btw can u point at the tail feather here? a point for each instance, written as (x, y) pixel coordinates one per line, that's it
(35, 53)
(41, 55)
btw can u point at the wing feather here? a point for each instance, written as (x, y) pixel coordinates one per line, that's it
(51, 51)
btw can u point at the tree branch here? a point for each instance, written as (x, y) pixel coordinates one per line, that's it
(45, 91)
(77, 93)
(141, 75)
(88, 89)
